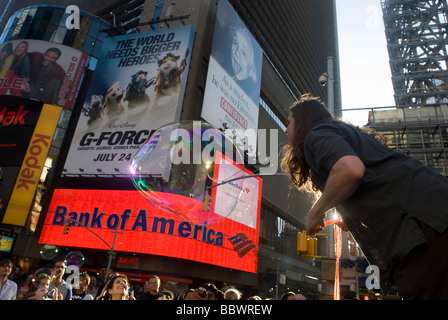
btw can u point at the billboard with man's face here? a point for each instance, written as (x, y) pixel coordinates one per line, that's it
(41, 70)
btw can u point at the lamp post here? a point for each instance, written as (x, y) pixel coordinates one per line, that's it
(334, 248)
(111, 252)
(327, 79)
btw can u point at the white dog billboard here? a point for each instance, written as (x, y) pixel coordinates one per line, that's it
(137, 87)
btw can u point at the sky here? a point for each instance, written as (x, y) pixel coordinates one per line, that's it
(363, 58)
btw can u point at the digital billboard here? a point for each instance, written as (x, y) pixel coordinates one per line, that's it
(18, 117)
(41, 70)
(138, 86)
(232, 243)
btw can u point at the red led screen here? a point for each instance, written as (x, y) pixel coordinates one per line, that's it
(146, 229)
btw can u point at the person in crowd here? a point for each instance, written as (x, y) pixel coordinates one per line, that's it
(212, 291)
(24, 287)
(81, 292)
(153, 288)
(92, 288)
(169, 295)
(232, 294)
(292, 296)
(116, 288)
(8, 288)
(201, 293)
(392, 204)
(190, 294)
(58, 282)
(41, 290)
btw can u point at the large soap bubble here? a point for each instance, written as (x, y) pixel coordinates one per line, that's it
(74, 258)
(38, 274)
(48, 251)
(184, 169)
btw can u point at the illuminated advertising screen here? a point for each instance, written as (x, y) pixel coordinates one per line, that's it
(138, 86)
(232, 243)
(18, 117)
(41, 70)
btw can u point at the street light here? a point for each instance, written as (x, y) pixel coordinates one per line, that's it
(327, 79)
(112, 254)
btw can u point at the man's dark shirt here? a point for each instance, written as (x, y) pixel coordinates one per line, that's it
(395, 190)
(148, 296)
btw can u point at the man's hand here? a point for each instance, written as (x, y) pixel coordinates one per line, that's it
(314, 223)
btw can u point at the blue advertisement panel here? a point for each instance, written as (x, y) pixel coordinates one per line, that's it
(138, 86)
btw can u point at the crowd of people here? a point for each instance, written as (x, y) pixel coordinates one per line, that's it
(52, 286)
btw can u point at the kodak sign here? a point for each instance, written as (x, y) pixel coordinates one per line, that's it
(25, 187)
(13, 118)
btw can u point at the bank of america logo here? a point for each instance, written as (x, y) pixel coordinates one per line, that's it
(242, 244)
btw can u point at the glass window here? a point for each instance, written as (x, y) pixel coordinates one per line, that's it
(94, 29)
(70, 37)
(49, 32)
(59, 34)
(82, 33)
(89, 45)
(57, 14)
(97, 49)
(24, 23)
(64, 18)
(277, 234)
(46, 22)
(91, 63)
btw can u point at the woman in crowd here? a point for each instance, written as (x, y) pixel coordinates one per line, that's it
(116, 288)
(39, 291)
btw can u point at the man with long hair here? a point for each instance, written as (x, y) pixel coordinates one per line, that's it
(395, 207)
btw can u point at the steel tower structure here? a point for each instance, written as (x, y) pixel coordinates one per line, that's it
(416, 33)
(417, 40)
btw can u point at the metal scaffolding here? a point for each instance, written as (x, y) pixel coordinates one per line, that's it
(421, 133)
(416, 33)
(417, 40)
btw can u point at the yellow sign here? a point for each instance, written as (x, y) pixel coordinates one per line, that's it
(5, 244)
(25, 187)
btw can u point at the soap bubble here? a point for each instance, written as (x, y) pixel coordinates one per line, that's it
(74, 258)
(48, 251)
(179, 168)
(38, 274)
